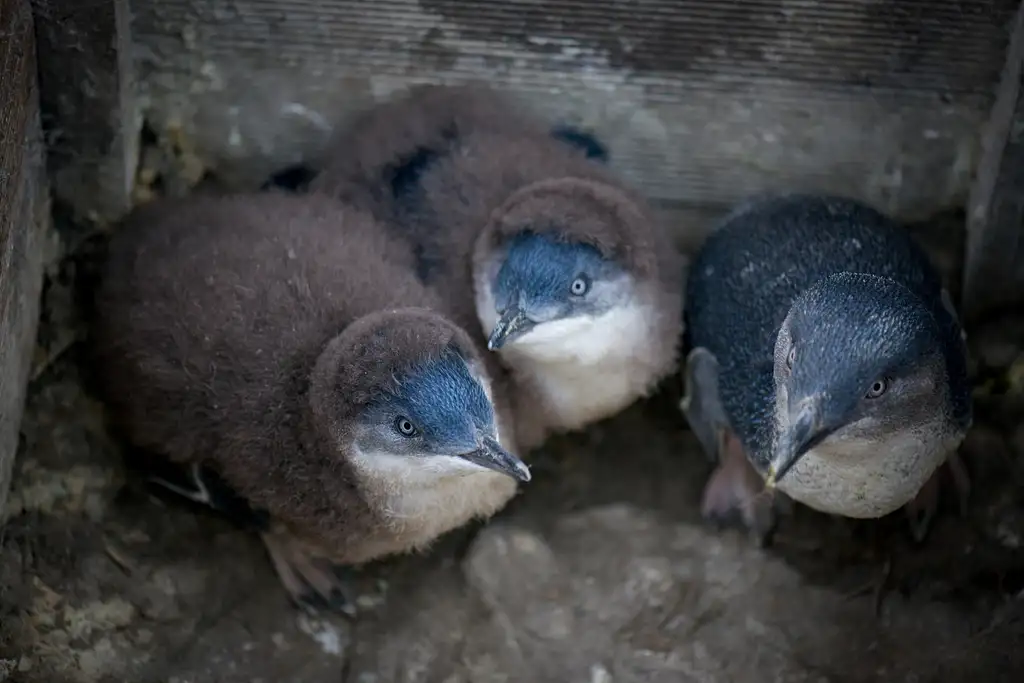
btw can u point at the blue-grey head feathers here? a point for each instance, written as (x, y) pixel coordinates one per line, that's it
(438, 404)
(551, 277)
(851, 329)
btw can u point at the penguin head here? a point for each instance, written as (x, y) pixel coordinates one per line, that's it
(403, 394)
(861, 374)
(547, 290)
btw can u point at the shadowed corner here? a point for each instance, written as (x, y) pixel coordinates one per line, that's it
(295, 178)
(587, 142)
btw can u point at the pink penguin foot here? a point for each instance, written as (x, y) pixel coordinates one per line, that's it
(736, 491)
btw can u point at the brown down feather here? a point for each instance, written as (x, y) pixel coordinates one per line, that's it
(499, 171)
(211, 315)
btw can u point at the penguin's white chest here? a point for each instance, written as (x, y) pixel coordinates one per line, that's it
(867, 479)
(418, 498)
(586, 369)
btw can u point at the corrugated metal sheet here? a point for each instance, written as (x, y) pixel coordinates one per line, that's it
(701, 102)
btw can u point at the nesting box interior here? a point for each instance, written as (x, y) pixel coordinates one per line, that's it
(602, 569)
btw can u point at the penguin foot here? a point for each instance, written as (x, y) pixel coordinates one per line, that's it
(313, 584)
(736, 491)
(922, 510)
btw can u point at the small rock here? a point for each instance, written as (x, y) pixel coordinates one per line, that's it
(332, 639)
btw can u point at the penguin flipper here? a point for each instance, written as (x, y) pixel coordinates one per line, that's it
(701, 403)
(201, 485)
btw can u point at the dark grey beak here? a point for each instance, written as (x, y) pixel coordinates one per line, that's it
(513, 323)
(806, 430)
(492, 456)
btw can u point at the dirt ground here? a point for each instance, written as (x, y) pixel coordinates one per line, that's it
(600, 572)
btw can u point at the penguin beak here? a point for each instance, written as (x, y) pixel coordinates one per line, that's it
(512, 324)
(806, 430)
(492, 456)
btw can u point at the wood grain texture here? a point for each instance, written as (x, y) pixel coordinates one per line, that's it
(87, 97)
(24, 211)
(994, 263)
(701, 102)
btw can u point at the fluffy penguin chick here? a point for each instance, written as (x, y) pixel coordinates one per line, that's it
(825, 350)
(526, 235)
(302, 371)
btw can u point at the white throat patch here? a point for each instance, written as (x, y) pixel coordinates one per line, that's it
(439, 492)
(582, 369)
(864, 479)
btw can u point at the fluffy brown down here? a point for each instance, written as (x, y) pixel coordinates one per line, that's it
(211, 315)
(358, 160)
(499, 172)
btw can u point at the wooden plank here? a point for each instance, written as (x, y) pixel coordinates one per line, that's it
(994, 265)
(87, 98)
(701, 103)
(24, 211)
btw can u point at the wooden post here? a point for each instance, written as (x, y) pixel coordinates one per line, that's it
(994, 264)
(87, 98)
(24, 214)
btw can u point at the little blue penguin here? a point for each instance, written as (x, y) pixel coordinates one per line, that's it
(298, 371)
(530, 239)
(824, 352)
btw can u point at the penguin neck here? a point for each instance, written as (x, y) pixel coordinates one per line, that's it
(570, 373)
(867, 478)
(415, 500)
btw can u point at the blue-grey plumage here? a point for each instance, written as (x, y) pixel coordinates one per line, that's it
(821, 336)
(303, 382)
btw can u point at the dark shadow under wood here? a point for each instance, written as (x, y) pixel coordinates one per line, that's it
(24, 211)
(87, 98)
(994, 267)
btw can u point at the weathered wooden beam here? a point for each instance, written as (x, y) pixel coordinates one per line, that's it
(994, 266)
(88, 103)
(24, 215)
(701, 103)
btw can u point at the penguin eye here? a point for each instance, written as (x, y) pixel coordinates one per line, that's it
(791, 357)
(580, 286)
(878, 388)
(405, 427)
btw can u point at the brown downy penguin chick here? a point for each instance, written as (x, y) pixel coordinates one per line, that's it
(567, 274)
(272, 346)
